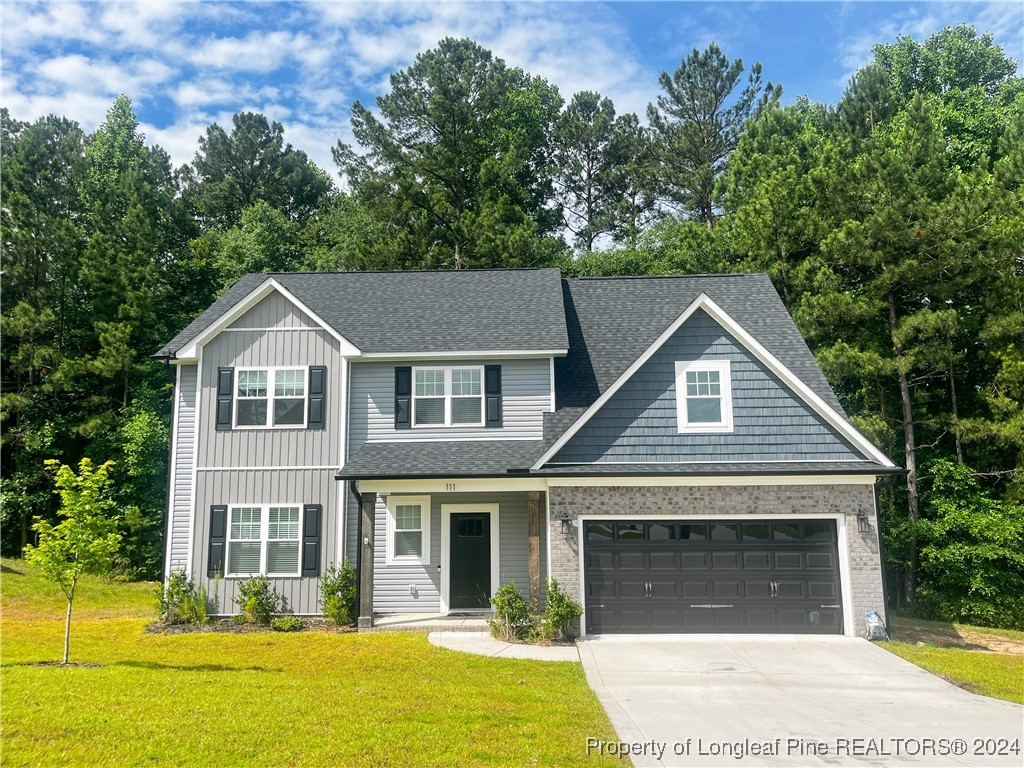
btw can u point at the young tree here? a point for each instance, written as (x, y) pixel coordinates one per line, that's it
(86, 540)
(697, 126)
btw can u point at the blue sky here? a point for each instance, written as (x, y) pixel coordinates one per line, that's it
(188, 64)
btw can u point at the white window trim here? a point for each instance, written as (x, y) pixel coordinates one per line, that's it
(271, 371)
(392, 503)
(724, 369)
(264, 540)
(448, 395)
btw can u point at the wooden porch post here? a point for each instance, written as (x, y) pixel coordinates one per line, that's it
(366, 561)
(533, 524)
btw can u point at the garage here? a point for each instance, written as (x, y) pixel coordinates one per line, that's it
(712, 576)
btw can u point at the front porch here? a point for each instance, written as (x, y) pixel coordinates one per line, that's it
(433, 559)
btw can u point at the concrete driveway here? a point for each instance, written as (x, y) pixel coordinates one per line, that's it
(734, 700)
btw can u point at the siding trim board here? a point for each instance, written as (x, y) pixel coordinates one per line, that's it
(753, 346)
(173, 447)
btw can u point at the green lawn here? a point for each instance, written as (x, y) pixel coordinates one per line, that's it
(271, 699)
(978, 659)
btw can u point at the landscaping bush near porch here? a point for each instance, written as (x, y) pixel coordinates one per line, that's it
(302, 699)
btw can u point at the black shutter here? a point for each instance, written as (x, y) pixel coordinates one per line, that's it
(225, 390)
(311, 524)
(317, 397)
(492, 395)
(218, 534)
(403, 397)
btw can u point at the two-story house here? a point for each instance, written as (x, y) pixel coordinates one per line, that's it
(665, 447)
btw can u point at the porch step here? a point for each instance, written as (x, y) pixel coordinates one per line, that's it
(429, 622)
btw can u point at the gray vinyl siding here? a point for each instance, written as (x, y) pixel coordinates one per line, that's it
(771, 423)
(271, 447)
(239, 488)
(391, 593)
(526, 396)
(275, 311)
(184, 464)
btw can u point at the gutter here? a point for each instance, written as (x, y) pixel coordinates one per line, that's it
(877, 471)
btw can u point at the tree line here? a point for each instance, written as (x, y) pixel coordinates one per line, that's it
(891, 222)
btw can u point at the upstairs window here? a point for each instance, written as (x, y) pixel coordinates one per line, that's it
(444, 397)
(704, 396)
(271, 397)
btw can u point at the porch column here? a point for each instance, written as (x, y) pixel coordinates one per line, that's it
(533, 527)
(366, 561)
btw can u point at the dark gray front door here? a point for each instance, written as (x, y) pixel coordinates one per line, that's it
(469, 571)
(714, 576)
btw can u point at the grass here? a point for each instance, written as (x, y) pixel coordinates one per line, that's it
(982, 660)
(305, 699)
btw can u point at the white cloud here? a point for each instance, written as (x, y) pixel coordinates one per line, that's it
(261, 52)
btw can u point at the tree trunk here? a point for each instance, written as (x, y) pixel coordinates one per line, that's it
(910, 449)
(956, 416)
(67, 625)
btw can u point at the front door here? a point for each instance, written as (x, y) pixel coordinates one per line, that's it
(470, 566)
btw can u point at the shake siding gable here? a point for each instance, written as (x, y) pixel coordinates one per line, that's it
(639, 422)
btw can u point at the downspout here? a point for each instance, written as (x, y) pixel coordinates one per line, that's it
(165, 574)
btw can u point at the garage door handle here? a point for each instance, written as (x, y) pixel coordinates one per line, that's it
(711, 605)
(830, 606)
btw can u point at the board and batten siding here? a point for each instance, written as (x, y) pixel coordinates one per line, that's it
(639, 423)
(525, 391)
(276, 486)
(271, 348)
(391, 583)
(183, 448)
(275, 311)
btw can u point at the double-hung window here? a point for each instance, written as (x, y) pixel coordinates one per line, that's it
(408, 530)
(263, 540)
(445, 397)
(704, 396)
(271, 397)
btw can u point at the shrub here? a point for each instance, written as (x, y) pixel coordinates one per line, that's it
(971, 552)
(286, 624)
(512, 619)
(257, 600)
(181, 602)
(338, 594)
(560, 614)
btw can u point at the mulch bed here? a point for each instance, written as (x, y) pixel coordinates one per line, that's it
(311, 624)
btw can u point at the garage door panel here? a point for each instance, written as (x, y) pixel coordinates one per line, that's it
(695, 589)
(757, 560)
(631, 560)
(715, 576)
(725, 561)
(697, 561)
(790, 560)
(663, 561)
(820, 560)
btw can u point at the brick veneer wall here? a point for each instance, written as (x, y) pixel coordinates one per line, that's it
(721, 501)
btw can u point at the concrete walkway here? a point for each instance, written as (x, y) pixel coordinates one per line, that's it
(782, 700)
(482, 644)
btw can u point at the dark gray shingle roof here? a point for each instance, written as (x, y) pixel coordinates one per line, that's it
(428, 459)
(403, 312)
(722, 468)
(611, 321)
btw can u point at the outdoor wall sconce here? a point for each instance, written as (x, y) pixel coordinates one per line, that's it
(862, 522)
(566, 519)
